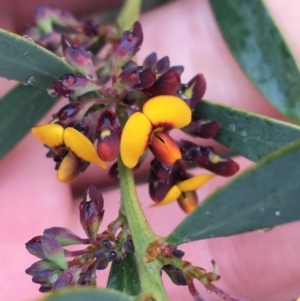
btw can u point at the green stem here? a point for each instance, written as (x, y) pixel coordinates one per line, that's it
(142, 236)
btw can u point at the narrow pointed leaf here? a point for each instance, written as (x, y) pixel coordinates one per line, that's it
(27, 62)
(90, 294)
(264, 196)
(129, 13)
(251, 135)
(20, 109)
(258, 46)
(124, 277)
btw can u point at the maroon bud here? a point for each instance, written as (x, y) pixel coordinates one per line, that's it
(40, 266)
(175, 275)
(46, 276)
(67, 278)
(91, 212)
(89, 277)
(113, 171)
(64, 85)
(129, 76)
(195, 90)
(34, 247)
(150, 61)
(160, 170)
(202, 128)
(54, 252)
(50, 41)
(91, 28)
(158, 189)
(130, 42)
(63, 236)
(162, 65)
(108, 134)
(166, 84)
(147, 78)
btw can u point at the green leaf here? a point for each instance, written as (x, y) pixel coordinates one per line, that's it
(124, 277)
(261, 51)
(90, 294)
(20, 109)
(27, 62)
(253, 136)
(130, 13)
(264, 196)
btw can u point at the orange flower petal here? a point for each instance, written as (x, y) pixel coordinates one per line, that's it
(188, 201)
(69, 168)
(164, 148)
(50, 134)
(135, 138)
(195, 182)
(171, 196)
(81, 146)
(168, 112)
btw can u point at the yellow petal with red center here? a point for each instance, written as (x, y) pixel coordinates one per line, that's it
(82, 147)
(195, 182)
(164, 148)
(69, 168)
(135, 138)
(50, 134)
(168, 112)
(171, 196)
(188, 201)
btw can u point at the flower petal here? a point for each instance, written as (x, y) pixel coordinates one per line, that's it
(69, 168)
(164, 148)
(81, 146)
(168, 112)
(173, 194)
(195, 182)
(51, 134)
(188, 201)
(135, 138)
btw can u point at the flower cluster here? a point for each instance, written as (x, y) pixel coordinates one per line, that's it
(54, 270)
(132, 114)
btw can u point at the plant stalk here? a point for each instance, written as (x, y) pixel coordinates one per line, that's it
(142, 236)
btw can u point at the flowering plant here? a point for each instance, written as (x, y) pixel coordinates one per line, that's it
(118, 111)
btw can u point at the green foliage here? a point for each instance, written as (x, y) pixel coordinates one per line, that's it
(124, 277)
(20, 109)
(29, 63)
(250, 135)
(264, 196)
(259, 48)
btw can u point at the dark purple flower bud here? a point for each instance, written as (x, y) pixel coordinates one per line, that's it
(50, 41)
(72, 113)
(129, 77)
(195, 90)
(162, 65)
(147, 78)
(107, 245)
(175, 275)
(34, 247)
(119, 259)
(40, 266)
(130, 64)
(54, 252)
(108, 135)
(160, 170)
(48, 276)
(67, 278)
(63, 236)
(102, 264)
(206, 158)
(202, 128)
(166, 84)
(91, 28)
(128, 246)
(111, 255)
(100, 255)
(178, 253)
(113, 171)
(178, 69)
(45, 289)
(150, 61)
(89, 277)
(158, 189)
(130, 42)
(91, 212)
(70, 85)
(78, 58)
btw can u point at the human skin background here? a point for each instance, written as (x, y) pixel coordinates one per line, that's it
(254, 266)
